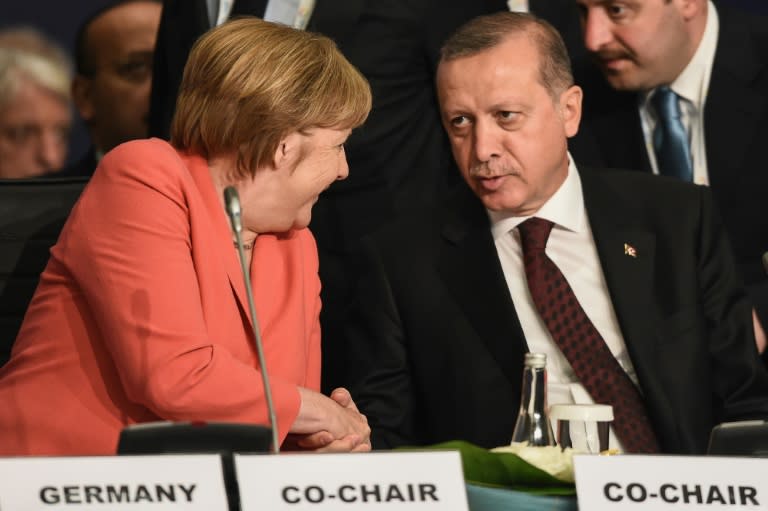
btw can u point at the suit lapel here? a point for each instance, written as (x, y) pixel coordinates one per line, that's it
(613, 119)
(627, 256)
(734, 106)
(625, 130)
(627, 251)
(471, 270)
(226, 253)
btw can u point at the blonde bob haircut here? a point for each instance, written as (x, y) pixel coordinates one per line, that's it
(248, 83)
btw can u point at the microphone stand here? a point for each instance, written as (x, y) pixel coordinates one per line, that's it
(232, 202)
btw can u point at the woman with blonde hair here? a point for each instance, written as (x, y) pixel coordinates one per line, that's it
(141, 314)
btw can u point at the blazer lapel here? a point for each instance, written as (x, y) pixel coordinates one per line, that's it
(613, 118)
(627, 252)
(628, 150)
(227, 254)
(471, 270)
(735, 105)
(627, 256)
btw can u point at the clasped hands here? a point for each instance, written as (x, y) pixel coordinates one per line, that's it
(329, 424)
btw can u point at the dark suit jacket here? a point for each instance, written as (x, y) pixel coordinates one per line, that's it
(436, 349)
(736, 131)
(401, 157)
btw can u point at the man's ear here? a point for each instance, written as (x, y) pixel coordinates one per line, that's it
(570, 109)
(690, 9)
(81, 96)
(289, 150)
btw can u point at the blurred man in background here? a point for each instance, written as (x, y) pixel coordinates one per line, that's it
(113, 59)
(35, 104)
(684, 93)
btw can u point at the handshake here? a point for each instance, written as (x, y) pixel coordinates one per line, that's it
(328, 424)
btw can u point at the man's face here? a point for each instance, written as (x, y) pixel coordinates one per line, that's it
(114, 101)
(638, 44)
(34, 133)
(509, 136)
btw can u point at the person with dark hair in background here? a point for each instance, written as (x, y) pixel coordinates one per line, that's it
(625, 281)
(35, 104)
(141, 313)
(684, 93)
(113, 76)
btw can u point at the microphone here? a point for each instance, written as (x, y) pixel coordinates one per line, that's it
(232, 205)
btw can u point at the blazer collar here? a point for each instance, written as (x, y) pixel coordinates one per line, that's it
(627, 252)
(737, 100)
(472, 272)
(219, 225)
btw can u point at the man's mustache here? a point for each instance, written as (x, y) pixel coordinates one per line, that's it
(486, 170)
(603, 55)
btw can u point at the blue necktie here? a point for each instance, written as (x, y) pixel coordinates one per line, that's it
(670, 141)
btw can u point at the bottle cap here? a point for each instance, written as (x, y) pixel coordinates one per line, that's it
(535, 360)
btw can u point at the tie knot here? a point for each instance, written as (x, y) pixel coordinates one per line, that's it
(534, 233)
(665, 103)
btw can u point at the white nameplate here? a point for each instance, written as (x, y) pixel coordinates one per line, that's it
(379, 480)
(670, 482)
(94, 483)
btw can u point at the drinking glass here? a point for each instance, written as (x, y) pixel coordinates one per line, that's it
(583, 427)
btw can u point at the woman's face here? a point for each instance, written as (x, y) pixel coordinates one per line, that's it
(307, 163)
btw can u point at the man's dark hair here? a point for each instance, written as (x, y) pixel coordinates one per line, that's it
(85, 61)
(486, 32)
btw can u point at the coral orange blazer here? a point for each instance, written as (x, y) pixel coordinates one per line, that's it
(141, 314)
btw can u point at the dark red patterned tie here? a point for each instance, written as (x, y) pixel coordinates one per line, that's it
(581, 343)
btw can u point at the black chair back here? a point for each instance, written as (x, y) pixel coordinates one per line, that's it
(32, 213)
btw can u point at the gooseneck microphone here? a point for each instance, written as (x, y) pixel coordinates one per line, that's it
(232, 205)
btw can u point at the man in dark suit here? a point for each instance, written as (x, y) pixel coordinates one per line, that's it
(449, 302)
(113, 64)
(715, 61)
(401, 157)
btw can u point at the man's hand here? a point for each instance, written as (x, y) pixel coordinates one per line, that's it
(329, 424)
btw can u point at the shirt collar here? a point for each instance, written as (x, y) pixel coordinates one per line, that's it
(565, 208)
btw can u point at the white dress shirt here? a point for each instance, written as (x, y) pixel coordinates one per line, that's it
(692, 86)
(518, 5)
(571, 247)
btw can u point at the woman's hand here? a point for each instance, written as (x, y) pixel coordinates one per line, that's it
(329, 424)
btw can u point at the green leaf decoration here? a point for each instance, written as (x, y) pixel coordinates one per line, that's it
(503, 470)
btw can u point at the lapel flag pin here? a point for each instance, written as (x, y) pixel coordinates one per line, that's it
(630, 250)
